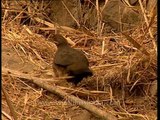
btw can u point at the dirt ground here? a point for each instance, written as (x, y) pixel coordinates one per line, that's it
(32, 102)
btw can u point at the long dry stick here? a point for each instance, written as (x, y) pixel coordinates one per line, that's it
(10, 105)
(147, 23)
(136, 44)
(91, 108)
(6, 115)
(71, 14)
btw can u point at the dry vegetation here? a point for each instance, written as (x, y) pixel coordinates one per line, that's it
(125, 69)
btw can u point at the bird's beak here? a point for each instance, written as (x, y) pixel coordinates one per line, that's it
(56, 42)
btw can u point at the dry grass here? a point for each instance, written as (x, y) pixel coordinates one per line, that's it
(121, 69)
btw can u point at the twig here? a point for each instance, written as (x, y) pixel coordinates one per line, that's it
(104, 5)
(54, 89)
(71, 14)
(53, 26)
(6, 115)
(106, 65)
(99, 22)
(147, 23)
(133, 115)
(136, 44)
(10, 105)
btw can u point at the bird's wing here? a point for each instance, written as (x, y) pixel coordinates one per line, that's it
(64, 58)
(69, 56)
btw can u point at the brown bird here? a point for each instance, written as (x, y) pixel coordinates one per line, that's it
(73, 61)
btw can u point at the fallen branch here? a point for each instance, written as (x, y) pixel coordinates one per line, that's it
(10, 105)
(55, 26)
(6, 115)
(53, 80)
(54, 89)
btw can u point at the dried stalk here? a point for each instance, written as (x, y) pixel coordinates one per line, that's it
(10, 105)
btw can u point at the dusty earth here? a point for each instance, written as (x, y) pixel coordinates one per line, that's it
(31, 102)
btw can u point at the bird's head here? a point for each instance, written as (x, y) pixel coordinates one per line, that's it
(59, 40)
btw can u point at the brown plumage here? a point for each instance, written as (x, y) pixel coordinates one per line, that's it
(73, 61)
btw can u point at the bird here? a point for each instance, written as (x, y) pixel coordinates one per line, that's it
(73, 61)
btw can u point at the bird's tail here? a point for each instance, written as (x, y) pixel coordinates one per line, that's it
(88, 72)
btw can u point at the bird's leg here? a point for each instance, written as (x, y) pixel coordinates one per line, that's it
(56, 70)
(72, 81)
(59, 70)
